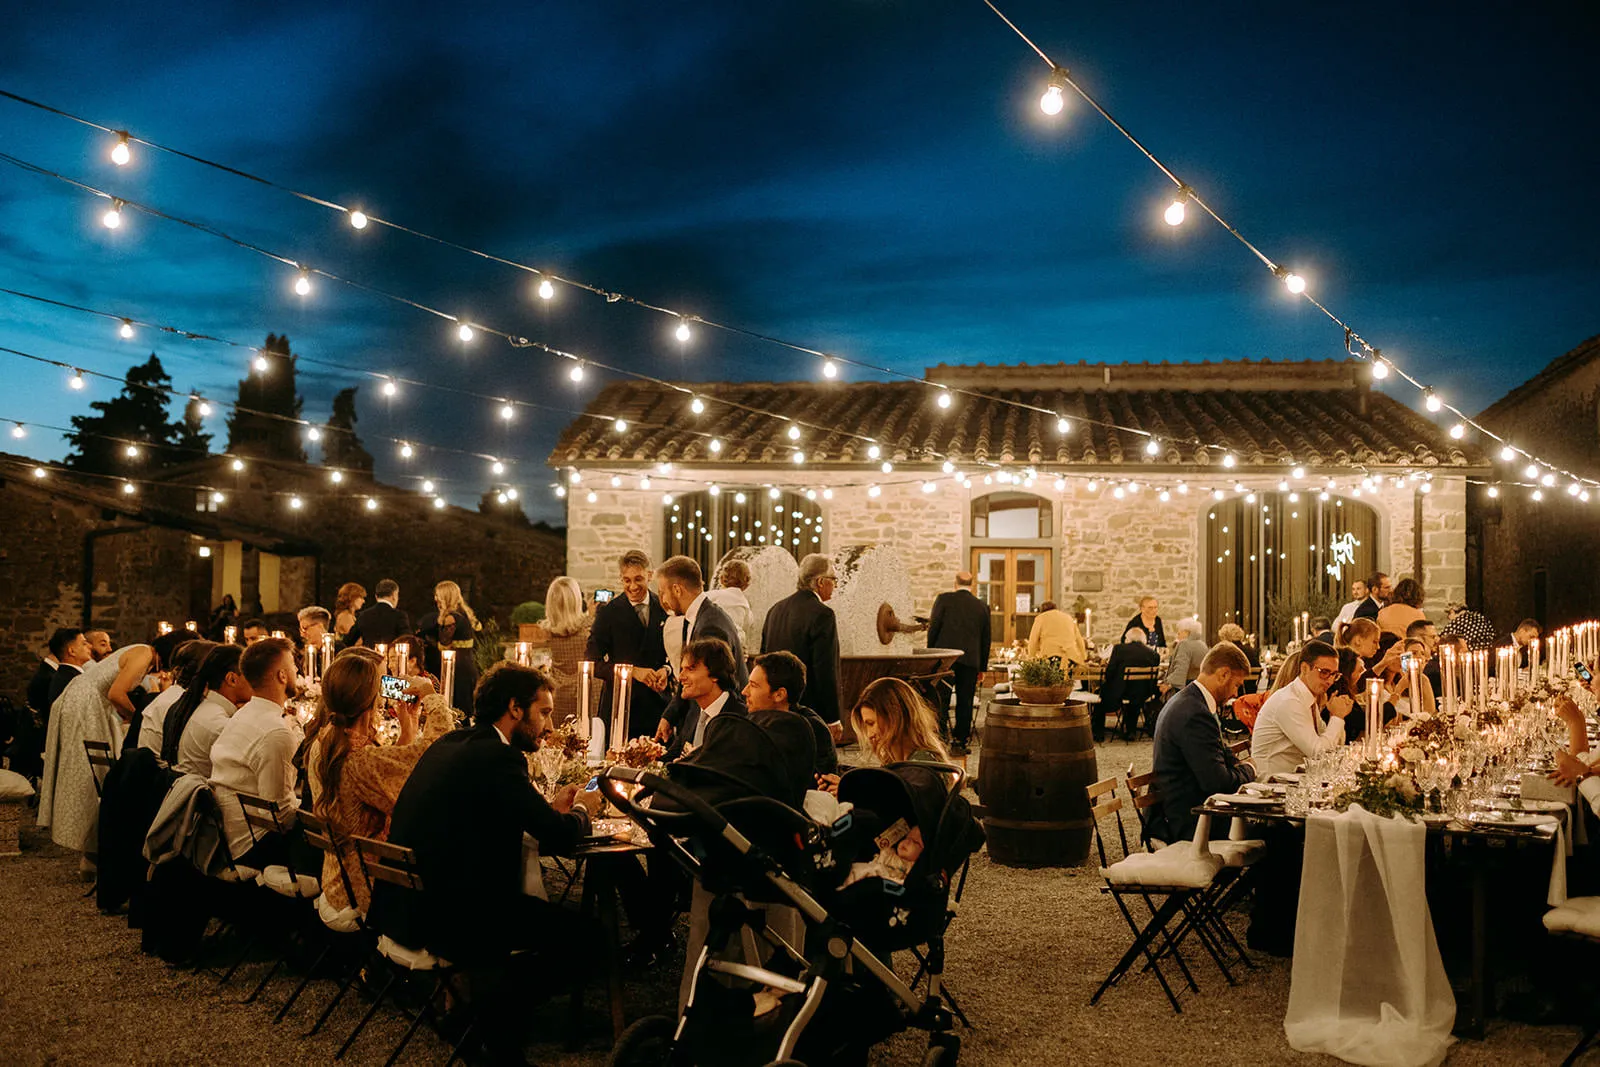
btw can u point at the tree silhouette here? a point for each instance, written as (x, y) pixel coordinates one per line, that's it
(270, 392)
(136, 417)
(341, 447)
(193, 440)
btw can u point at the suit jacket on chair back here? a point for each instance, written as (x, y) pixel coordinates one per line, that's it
(802, 624)
(619, 637)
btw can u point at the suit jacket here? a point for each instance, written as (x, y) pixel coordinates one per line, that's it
(1191, 762)
(688, 721)
(1115, 689)
(618, 636)
(378, 624)
(1368, 609)
(63, 678)
(1154, 636)
(802, 624)
(961, 620)
(39, 687)
(709, 621)
(827, 756)
(464, 810)
(767, 753)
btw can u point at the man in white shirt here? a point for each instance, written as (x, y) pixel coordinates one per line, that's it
(225, 692)
(707, 689)
(1289, 729)
(1358, 590)
(254, 753)
(185, 665)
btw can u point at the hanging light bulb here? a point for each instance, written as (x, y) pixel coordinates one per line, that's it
(125, 331)
(592, 496)
(1380, 368)
(296, 503)
(507, 411)
(1431, 401)
(1458, 431)
(944, 397)
(1293, 282)
(697, 406)
(464, 332)
(76, 381)
(666, 498)
(1217, 494)
(372, 503)
(1537, 495)
(576, 373)
(1508, 453)
(576, 477)
(1054, 98)
(547, 291)
(389, 387)
(302, 283)
(113, 216)
(1531, 471)
(1573, 489)
(336, 477)
(683, 333)
(38, 472)
(930, 487)
(1548, 480)
(715, 446)
(358, 219)
(406, 451)
(887, 467)
(427, 485)
(621, 425)
(1183, 488)
(773, 493)
(1119, 492)
(1061, 483)
(873, 451)
(1164, 496)
(1152, 447)
(497, 467)
(204, 408)
(561, 490)
(949, 467)
(261, 365)
(1175, 211)
(873, 490)
(501, 498)
(1493, 491)
(793, 432)
(218, 498)
(830, 369)
(799, 457)
(120, 153)
(438, 503)
(644, 481)
(19, 431)
(1298, 472)
(1063, 424)
(1229, 461)
(238, 465)
(127, 488)
(313, 434)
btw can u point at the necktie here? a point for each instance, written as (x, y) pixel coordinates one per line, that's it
(643, 611)
(686, 629)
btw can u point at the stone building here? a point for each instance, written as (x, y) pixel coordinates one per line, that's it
(1328, 481)
(1536, 558)
(171, 550)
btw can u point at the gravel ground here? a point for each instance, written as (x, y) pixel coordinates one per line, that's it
(1024, 957)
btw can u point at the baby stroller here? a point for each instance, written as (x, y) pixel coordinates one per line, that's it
(837, 992)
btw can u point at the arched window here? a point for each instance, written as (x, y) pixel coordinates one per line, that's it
(704, 526)
(1013, 559)
(1291, 547)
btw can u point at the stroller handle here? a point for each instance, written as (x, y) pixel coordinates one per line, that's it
(694, 808)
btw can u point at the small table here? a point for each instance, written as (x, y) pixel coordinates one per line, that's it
(600, 857)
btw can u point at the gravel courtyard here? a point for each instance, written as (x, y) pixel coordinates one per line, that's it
(1024, 957)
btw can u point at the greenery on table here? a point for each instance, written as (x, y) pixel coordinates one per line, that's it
(1385, 796)
(1042, 671)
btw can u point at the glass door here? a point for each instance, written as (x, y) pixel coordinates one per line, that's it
(1013, 582)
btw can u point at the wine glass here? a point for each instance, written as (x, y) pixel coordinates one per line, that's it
(550, 760)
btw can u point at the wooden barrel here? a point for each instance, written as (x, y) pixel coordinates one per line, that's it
(1034, 765)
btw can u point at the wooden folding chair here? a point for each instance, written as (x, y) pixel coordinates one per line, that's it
(1139, 676)
(264, 818)
(100, 761)
(334, 938)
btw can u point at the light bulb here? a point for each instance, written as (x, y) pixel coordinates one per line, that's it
(1228, 460)
(1573, 489)
(697, 406)
(547, 291)
(1493, 491)
(389, 388)
(406, 451)
(616, 481)
(125, 331)
(261, 365)
(811, 494)
(1283, 487)
(1152, 447)
(576, 477)
(76, 381)
(930, 487)
(621, 425)
(38, 472)
(949, 468)
(1298, 472)
(19, 431)
(944, 398)
(830, 369)
(302, 284)
(1432, 403)
(1052, 101)
(336, 477)
(1531, 471)
(507, 412)
(313, 434)
(1119, 492)
(1537, 495)
(1380, 369)
(427, 485)
(438, 503)
(358, 219)
(1458, 431)
(1425, 487)
(296, 503)
(1063, 425)
(827, 494)
(715, 446)
(799, 457)
(464, 332)
(204, 408)
(887, 467)
(1508, 453)
(682, 333)
(127, 488)
(561, 490)
(773, 493)
(644, 481)
(592, 496)
(497, 467)
(576, 373)
(666, 498)
(1183, 489)
(1294, 283)
(113, 216)
(238, 465)
(372, 503)
(120, 153)
(218, 498)
(873, 451)
(1217, 494)
(1548, 479)
(1174, 213)
(873, 490)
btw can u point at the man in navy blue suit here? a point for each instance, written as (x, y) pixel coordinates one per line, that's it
(1190, 759)
(682, 590)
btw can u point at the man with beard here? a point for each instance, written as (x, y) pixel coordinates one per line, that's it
(254, 753)
(464, 810)
(99, 644)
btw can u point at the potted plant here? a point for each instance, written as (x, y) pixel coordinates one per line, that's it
(1041, 681)
(526, 617)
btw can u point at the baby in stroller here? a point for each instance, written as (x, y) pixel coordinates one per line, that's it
(832, 989)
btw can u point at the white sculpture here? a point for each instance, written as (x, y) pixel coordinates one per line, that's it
(870, 576)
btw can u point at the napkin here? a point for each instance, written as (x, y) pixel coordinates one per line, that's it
(1538, 787)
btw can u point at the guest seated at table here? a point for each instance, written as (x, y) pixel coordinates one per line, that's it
(355, 781)
(1190, 759)
(315, 623)
(197, 719)
(707, 687)
(1187, 651)
(1423, 700)
(1247, 708)
(897, 725)
(1118, 695)
(1321, 628)
(772, 679)
(409, 653)
(254, 753)
(252, 631)
(185, 665)
(1289, 729)
(1524, 636)
(1055, 633)
(1234, 633)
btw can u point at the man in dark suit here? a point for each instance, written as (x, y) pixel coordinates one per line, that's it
(627, 629)
(1190, 759)
(383, 621)
(682, 590)
(1379, 590)
(707, 688)
(961, 620)
(776, 675)
(1119, 695)
(75, 654)
(802, 623)
(1525, 636)
(463, 810)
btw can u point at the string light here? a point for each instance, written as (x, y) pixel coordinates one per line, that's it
(1531, 471)
(507, 412)
(1380, 368)
(218, 498)
(1152, 447)
(406, 451)
(261, 365)
(793, 432)
(561, 490)
(336, 477)
(944, 398)
(76, 381)
(296, 503)
(1054, 98)
(1063, 424)
(511, 493)
(132, 451)
(38, 472)
(497, 467)
(873, 490)
(464, 332)
(19, 431)
(697, 406)
(389, 387)
(827, 494)
(774, 493)
(302, 284)
(125, 331)
(830, 369)
(372, 503)
(621, 425)
(1293, 282)
(128, 488)
(1176, 211)
(313, 434)
(112, 219)
(1537, 495)
(683, 333)
(121, 155)
(887, 467)
(873, 451)
(438, 503)
(616, 481)
(1431, 401)
(1458, 431)
(576, 477)
(427, 485)
(237, 465)
(592, 497)
(799, 457)
(715, 445)
(1508, 453)
(546, 290)
(1548, 480)
(1493, 491)
(1298, 473)
(358, 219)
(576, 373)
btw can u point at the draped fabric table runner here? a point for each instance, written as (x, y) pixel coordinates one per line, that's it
(1368, 984)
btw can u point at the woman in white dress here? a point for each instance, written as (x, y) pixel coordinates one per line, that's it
(95, 707)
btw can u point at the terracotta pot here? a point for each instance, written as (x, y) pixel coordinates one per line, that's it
(1042, 694)
(532, 633)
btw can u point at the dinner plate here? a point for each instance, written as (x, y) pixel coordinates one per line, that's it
(1508, 789)
(1246, 800)
(1511, 819)
(1285, 777)
(1518, 804)
(1436, 819)
(1265, 789)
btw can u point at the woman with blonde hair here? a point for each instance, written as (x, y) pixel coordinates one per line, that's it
(896, 723)
(567, 622)
(346, 604)
(354, 780)
(452, 625)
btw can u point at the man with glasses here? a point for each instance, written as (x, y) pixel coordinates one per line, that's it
(802, 623)
(1289, 729)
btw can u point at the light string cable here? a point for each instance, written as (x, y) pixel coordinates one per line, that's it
(1381, 364)
(360, 219)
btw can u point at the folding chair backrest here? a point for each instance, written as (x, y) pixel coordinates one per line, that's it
(1141, 787)
(384, 862)
(100, 761)
(1105, 804)
(1141, 674)
(261, 816)
(318, 836)
(1241, 748)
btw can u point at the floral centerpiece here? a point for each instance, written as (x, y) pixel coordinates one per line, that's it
(643, 753)
(1387, 795)
(561, 759)
(1428, 731)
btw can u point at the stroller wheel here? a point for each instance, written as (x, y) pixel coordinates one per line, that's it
(943, 1054)
(647, 1042)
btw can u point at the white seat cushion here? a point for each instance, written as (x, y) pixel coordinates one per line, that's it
(302, 886)
(1239, 853)
(416, 959)
(239, 873)
(1579, 915)
(1182, 867)
(339, 920)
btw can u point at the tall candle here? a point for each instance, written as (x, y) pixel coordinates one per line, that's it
(1447, 677)
(1413, 682)
(1088, 627)
(192, 626)
(311, 663)
(329, 643)
(1533, 663)
(1374, 717)
(447, 675)
(621, 701)
(1305, 626)
(1466, 681)
(585, 673)
(163, 628)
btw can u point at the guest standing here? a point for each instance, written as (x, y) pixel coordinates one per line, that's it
(568, 625)
(628, 630)
(100, 644)
(347, 604)
(38, 694)
(1462, 621)
(1358, 596)
(803, 624)
(73, 655)
(381, 623)
(960, 620)
(197, 719)
(733, 578)
(355, 781)
(1525, 636)
(1289, 729)
(1378, 593)
(1190, 759)
(452, 625)
(254, 753)
(1055, 633)
(1403, 610)
(226, 615)
(1187, 654)
(682, 592)
(1148, 623)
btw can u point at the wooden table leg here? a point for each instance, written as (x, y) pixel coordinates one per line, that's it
(1477, 992)
(600, 901)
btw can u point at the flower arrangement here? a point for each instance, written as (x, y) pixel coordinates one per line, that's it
(642, 752)
(1384, 795)
(1429, 731)
(565, 737)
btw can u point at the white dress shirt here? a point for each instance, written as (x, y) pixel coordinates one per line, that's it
(155, 714)
(254, 754)
(1589, 788)
(200, 733)
(711, 711)
(672, 634)
(1287, 731)
(1346, 613)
